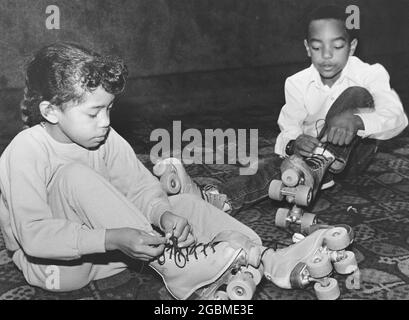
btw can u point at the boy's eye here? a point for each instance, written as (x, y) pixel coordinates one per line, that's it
(93, 115)
(315, 48)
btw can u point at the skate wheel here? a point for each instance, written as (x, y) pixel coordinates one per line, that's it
(328, 292)
(274, 190)
(171, 183)
(307, 220)
(281, 217)
(290, 177)
(256, 273)
(159, 168)
(221, 295)
(303, 195)
(241, 287)
(319, 266)
(347, 265)
(337, 238)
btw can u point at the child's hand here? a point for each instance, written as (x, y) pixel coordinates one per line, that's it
(304, 145)
(179, 227)
(135, 243)
(342, 128)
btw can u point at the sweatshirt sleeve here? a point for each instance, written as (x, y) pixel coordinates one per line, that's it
(389, 118)
(34, 225)
(291, 117)
(134, 180)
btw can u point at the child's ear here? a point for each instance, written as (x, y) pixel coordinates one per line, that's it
(307, 47)
(353, 45)
(49, 112)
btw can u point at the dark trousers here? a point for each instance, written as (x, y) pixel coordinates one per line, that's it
(244, 191)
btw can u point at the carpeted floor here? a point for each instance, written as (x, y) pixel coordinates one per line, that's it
(376, 204)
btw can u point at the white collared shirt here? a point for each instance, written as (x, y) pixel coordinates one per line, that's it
(308, 101)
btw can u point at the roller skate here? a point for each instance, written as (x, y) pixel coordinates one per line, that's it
(313, 260)
(300, 181)
(214, 271)
(175, 180)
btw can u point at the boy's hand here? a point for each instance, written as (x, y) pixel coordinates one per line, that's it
(135, 243)
(304, 145)
(174, 225)
(342, 128)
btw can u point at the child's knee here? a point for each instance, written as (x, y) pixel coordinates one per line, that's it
(75, 176)
(361, 97)
(75, 172)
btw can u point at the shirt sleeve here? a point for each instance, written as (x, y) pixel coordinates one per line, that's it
(134, 180)
(388, 118)
(38, 232)
(291, 117)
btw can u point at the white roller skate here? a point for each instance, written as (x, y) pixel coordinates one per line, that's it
(175, 180)
(312, 260)
(212, 271)
(300, 181)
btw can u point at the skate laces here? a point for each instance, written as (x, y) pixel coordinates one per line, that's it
(316, 126)
(210, 194)
(181, 255)
(317, 162)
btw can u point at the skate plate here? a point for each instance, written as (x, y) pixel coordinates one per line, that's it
(328, 259)
(296, 215)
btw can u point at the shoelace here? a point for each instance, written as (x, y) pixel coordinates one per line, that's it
(181, 255)
(219, 200)
(317, 162)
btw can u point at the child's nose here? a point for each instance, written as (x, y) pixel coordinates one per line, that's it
(104, 120)
(327, 53)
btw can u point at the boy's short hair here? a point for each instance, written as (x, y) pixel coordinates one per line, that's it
(330, 12)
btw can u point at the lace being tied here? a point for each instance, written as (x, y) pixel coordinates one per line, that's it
(182, 255)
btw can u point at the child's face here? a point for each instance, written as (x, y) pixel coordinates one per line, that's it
(328, 48)
(85, 123)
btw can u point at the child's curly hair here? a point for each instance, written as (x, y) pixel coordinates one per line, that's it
(63, 72)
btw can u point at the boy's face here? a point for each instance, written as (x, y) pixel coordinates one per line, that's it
(85, 123)
(328, 48)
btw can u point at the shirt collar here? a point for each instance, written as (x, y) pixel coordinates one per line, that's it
(346, 73)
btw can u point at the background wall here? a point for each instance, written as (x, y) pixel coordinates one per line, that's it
(159, 37)
(192, 56)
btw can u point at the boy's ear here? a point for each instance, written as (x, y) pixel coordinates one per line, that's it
(353, 45)
(49, 112)
(307, 47)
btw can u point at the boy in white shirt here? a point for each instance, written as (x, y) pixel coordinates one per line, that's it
(339, 100)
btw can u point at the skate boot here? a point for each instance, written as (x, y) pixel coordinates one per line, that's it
(341, 155)
(212, 271)
(312, 259)
(301, 178)
(174, 180)
(300, 181)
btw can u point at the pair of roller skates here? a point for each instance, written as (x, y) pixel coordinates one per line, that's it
(174, 180)
(230, 267)
(301, 178)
